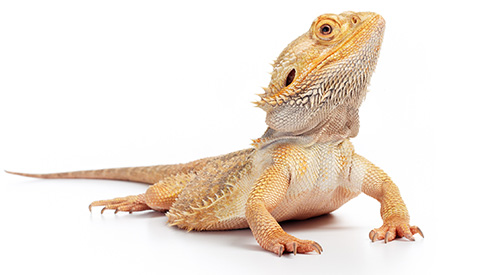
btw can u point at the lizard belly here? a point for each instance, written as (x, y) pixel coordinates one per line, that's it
(314, 203)
(319, 183)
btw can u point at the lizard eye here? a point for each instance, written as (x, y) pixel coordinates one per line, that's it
(326, 29)
(290, 77)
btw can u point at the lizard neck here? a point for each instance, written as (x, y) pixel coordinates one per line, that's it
(341, 124)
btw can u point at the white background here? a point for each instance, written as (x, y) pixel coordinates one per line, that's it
(96, 84)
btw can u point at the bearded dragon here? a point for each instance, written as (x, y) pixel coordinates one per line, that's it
(303, 166)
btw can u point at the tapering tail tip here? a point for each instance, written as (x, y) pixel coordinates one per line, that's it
(40, 176)
(13, 173)
(22, 174)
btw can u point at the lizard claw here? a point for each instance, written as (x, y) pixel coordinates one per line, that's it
(387, 236)
(409, 237)
(415, 229)
(373, 235)
(281, 249)
(318, 248)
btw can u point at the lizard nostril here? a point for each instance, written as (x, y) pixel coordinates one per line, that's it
(290, 77)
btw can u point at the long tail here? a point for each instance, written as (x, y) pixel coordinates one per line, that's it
(144, 174)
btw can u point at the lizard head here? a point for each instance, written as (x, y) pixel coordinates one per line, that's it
(324, 73)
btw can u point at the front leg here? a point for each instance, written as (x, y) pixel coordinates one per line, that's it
(266, 194)
(377, 184)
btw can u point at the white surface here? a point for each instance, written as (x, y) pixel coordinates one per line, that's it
(95, 84)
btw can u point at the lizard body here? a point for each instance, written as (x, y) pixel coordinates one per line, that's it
(303, 166)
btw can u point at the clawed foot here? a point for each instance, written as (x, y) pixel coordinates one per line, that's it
(288, 243)
(391, 232)
(126, 204)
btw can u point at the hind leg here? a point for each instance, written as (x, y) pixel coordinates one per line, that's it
(159, 197)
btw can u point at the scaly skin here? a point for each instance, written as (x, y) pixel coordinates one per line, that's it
(303, 166)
